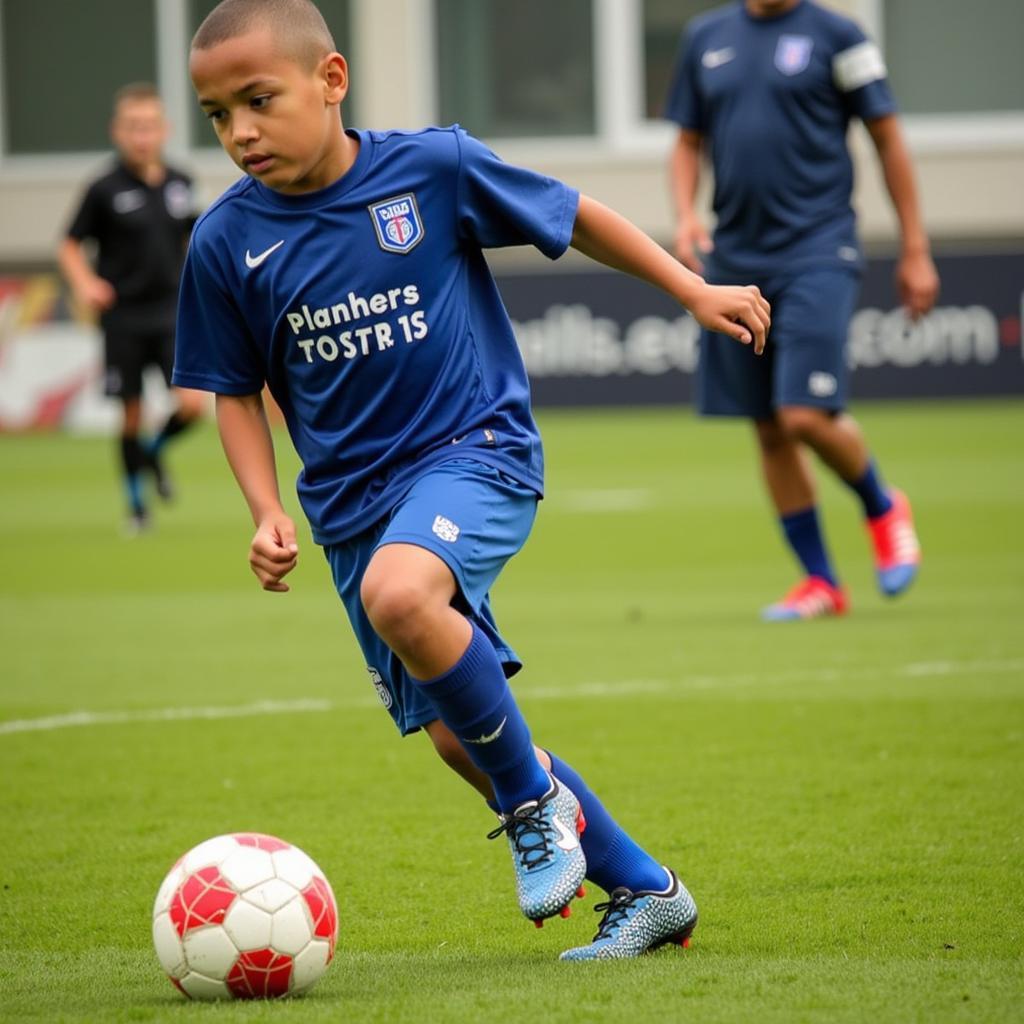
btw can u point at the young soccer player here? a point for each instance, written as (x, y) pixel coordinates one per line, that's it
(140, 214)
(772, 85)
(346, 272)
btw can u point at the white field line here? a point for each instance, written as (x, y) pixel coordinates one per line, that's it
(608, 500)
(83, 718)
(624, 687)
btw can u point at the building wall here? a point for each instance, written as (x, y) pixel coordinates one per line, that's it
(970, 170)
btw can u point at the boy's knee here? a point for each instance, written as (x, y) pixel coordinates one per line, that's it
(772, 436)
(395, 607)
(803, 423)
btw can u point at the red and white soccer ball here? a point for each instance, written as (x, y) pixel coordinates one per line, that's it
(245, 916)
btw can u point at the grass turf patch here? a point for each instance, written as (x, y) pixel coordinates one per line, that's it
(841, 797)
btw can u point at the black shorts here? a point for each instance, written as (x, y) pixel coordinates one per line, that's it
(128, 353)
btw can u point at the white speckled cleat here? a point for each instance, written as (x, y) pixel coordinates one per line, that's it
(635, 922)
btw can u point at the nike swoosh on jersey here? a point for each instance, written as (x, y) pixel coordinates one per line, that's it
(569, 840)
(252, 262)
(716, 58)
(491, 736)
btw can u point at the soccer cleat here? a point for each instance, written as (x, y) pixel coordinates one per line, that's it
(544, 836)
(897, 551)
(811, 598)
(636, 922)
(137, 523)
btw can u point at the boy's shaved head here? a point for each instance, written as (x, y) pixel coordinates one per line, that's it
(297, 24)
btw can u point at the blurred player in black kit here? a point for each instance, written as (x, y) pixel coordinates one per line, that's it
(139, 215)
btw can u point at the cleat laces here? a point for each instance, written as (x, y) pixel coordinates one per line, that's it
(616, 912)
(531, 834)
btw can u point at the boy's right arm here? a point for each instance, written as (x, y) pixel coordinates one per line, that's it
(245, 435)
(91, 291)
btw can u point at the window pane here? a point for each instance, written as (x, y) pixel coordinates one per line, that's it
(947, 56)
(62, 64)
(336, 14)
(664, 21)
(515, 69)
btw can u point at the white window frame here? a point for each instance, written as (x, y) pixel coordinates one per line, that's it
(623, 134)
(947, 133)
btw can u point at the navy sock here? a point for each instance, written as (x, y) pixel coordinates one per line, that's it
(871, 491)
(803, 533)
(474, 700)
(613, 859)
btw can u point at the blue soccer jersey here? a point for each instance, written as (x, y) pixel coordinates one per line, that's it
(774, 97)
(369, 310)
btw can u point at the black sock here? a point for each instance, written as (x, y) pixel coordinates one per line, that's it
(133, 461)
(176, 423)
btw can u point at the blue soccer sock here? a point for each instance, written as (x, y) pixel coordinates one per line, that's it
(871, 491)
(804, 536)
(474, 700)
(613, 859)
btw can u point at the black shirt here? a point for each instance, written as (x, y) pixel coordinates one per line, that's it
(142, 232)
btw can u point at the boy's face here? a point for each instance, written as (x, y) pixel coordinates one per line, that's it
(139, 131)
(275, 118)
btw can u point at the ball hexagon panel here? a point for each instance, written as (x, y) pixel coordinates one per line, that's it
(310, 964)
(270, 896)
(209, 951)
(323, 911)
(260, 974)
(212, 851)
(290, 931)
(247, 926)
(169, 950)
(200, 987)
(293, 866)
(246, 867)
(202, 898)
(260, 841)
(166, 890)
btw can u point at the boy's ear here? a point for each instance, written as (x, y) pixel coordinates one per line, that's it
(335, 77)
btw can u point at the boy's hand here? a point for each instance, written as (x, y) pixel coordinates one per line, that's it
(274, 552)
(918, 283)
(96, 294)
(692, 241)
(742, 312)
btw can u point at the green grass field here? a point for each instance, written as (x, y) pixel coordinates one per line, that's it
(843, 798)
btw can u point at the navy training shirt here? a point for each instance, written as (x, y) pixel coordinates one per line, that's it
(369, 310)
(774, 97)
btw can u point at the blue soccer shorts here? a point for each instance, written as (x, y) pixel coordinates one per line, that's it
(804, 362)
(474, 518)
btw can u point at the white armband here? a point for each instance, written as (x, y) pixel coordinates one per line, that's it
(858, 66)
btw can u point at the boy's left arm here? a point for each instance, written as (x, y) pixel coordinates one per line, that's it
(916, 276)
(606, 236)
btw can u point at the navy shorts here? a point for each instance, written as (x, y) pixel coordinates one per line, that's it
(474, 518)
(804, 362)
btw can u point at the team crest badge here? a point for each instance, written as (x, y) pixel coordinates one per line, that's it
(397, 223)
(378, 684)
(793, 54)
